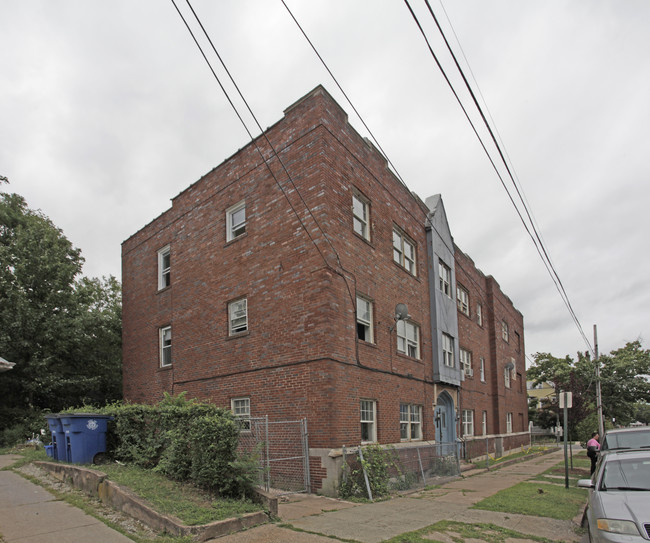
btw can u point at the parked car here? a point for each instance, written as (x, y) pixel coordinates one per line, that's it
(626, 438)
(618, 507)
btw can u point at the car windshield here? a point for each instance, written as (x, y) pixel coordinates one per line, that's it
(626, 474)
(627, 440)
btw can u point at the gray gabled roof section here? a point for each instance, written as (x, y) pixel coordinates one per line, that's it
(444, 317)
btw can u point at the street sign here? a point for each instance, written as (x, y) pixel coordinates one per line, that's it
(566, 400)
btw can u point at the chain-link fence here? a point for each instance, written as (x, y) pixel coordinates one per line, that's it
(282, 452)
(405, 467)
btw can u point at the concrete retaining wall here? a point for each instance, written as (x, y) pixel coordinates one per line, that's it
(96, 484)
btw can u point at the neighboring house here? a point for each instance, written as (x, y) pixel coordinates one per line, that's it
(308, 284)
(544, 393)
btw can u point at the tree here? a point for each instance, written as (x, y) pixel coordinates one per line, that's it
(624, 382)
(63, 332)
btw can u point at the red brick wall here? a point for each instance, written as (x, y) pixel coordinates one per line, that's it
(486, 341)
(300, 266)
(299, 357)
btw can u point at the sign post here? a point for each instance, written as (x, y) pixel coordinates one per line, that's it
(566, 401)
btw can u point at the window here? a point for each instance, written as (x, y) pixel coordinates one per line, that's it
(479, 314)
(410, 422)
(448, 350)
(368, 416)
(364, 319)
(518, 341)
(482, 367)
(238, 316)
(444, 272)
(504, 331)
(468, 422)
(165, 340)
(508, 423)
(404, 251)
(484, 423)
(408, 338)
(466, 362)
(360, 215)
(164, 268)
(241, 408)
(462, 299)
(236, 221)
(506, 376)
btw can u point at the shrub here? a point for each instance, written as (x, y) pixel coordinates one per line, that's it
(381, 465)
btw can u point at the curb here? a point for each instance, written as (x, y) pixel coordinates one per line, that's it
(96, 484)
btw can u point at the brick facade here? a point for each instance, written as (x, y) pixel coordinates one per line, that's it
(300, 265)
(481, 333)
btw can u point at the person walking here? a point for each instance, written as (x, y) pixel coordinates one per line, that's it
(593, 447)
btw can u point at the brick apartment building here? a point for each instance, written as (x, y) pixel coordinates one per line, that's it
(301, 278)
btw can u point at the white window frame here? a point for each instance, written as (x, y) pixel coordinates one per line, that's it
(361, 215)
(448, 350)
(410, 422)
(482, 369)
(444, 278)
(365, 319)
(507, 378)
(505, 335)
(165, 346)
(462, 299)
(484, 423)
(235, 229)
(241, 409)
(479, 314)
(468, 422)
(164, 268)
(404, 252)
(238, 316)
(508, 423)
(368, 418)
(466, 362)
(408, 338)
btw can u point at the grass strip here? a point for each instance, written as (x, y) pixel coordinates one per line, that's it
(183, 501)
(540, 500)
(461, 531)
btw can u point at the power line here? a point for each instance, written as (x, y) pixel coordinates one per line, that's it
(539, 246)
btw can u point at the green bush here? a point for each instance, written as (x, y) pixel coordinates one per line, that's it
(17, 425)
(381, 465)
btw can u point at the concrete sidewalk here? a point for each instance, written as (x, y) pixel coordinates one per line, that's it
(375, 522)
(30, 514)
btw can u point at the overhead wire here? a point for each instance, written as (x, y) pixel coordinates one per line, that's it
(345, 274)
(539, 246)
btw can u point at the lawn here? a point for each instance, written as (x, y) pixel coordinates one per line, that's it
(462, 531)
(537, 499)
(186, 502)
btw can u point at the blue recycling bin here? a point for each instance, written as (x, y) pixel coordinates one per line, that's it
(58, 437)
(85, 436)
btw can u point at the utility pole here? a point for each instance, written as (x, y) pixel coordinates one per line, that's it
(599, 399)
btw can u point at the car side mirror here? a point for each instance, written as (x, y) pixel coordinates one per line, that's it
(585, 483)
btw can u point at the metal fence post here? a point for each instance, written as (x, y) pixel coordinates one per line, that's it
(268, 457)
(305, 448)
(421, 469)
(365, 474)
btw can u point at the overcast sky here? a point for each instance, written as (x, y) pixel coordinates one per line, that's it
(107, 110)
